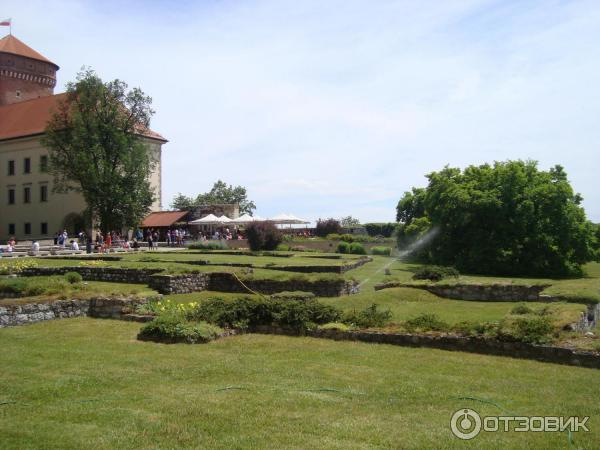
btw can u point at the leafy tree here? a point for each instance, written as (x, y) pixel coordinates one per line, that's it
(411, 206)
(507, 218)
(182, 202)
(349, 222)
(95, 148)
(328, 226)
(221, 193)
(381, 229)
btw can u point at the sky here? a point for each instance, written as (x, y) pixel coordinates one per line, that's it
(335, 108)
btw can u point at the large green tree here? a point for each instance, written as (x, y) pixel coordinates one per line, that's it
(221, 193)
(506, 218)
(95, 148)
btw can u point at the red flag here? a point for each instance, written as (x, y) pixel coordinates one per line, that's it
(5, 23)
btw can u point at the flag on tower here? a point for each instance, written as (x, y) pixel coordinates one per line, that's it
(5, 23)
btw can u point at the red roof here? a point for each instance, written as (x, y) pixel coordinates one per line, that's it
(163, 218)
(12, 45)
(30, 117)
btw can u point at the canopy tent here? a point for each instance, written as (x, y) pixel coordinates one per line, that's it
(288, 219)
(211, 219)
(224, 219)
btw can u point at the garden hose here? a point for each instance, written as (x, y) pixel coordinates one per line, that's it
(247, 288)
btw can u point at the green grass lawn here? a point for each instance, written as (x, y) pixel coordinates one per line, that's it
(50, 288)
(82, 383)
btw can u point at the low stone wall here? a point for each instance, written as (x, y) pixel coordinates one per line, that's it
(101, 307)
(226, 282)
(323, 269)
(477, 292)
(111, 274)
(180, 284)
(551, 354)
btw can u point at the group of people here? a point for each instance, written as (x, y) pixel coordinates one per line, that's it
(10, 246)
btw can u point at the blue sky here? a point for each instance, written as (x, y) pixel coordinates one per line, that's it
(336, 108)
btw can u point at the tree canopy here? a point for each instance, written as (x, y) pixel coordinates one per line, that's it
(508, 218)
(95, 148)
(221, 193)
(349, 222)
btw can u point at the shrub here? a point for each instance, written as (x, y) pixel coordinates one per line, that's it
(368, 318)
(343, 247)
(426, 322)
(263, 236)
(245, 312)
(532, 330)
(329, 226)
(381, 229)
(293, 295)
(172, 327)
(357, 249)
(521, 309)
(73, 277)
(435, 273)
(381, 251)
(209, 245)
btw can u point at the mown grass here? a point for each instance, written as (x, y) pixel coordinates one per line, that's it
(83, 383)
(50, 288)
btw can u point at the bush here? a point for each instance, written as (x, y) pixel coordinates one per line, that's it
(533, 330)
(174, 328)
(245, 312)
(368, 318)
(426, 322)
(292, 295)
(329, 226)
(381, 251)
(381, 229)
(343, 247)
(73, 277)
(263, 236)
(435, 273)
(521, 309)
(209, 245)
(357, 249)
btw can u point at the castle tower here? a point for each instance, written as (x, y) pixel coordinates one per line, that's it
(24, 73)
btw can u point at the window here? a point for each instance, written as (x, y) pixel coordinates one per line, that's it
(27, 165)
(11, 167)
(27, 228)
(43, 193)
(44, 228)
(11, 196)
(18, 94)
(11, 228)
(44, 163)
(26, 195)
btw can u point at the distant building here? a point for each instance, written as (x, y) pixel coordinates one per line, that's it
(28, 207)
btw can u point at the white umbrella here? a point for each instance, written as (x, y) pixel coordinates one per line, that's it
(281, 219)
(224, 219)
(297, 219)
(211, 219)
(246, 218)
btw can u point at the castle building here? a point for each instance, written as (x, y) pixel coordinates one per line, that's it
(28, 207)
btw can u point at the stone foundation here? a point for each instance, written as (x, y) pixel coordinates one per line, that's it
(551, 354)
(477, 292)
(101, 307)
(111, 274)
